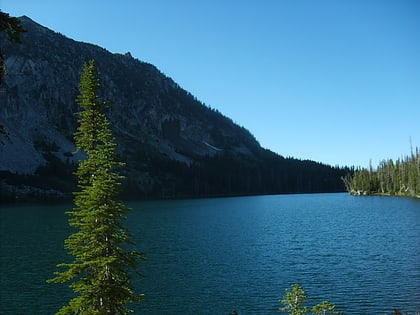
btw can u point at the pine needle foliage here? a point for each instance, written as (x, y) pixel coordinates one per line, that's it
(102, 264)
(294, 300)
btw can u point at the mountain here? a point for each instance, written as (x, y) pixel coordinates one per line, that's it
(172, 144)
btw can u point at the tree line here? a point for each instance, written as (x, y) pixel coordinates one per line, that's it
(400, 177)
(227, 174)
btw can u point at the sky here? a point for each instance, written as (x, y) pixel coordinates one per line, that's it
(336, 82)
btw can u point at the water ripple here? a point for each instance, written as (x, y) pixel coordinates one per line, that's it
(218, 255)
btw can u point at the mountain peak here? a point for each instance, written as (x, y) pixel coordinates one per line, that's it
(31, 25)
(26, 19)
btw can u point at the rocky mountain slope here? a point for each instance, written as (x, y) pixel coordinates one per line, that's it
(172, 144)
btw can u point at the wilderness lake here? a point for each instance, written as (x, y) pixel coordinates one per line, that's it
(214, 256)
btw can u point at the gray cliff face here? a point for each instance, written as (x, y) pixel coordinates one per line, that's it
(152, 117)
(33, 111)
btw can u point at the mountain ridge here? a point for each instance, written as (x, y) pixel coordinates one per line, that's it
(168, 139)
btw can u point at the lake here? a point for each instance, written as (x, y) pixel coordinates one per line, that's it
(214, 256)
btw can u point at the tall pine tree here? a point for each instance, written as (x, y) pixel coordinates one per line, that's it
(101, 266)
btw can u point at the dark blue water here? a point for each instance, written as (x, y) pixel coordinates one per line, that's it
(213, 256)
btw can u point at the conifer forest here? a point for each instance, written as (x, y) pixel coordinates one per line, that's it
(400, 177)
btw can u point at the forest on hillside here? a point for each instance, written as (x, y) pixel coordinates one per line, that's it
(222, 175)
(226, 175)
(173, 145)
(400, 177)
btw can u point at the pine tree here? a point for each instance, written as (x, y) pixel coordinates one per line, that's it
(294, 299)
(101, 266)
(11, 25)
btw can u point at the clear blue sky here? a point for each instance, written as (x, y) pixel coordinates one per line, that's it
(331, 81)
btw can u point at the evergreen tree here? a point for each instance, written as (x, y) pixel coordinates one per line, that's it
(325, 308)
(294, 300)
(10, 25)
(100, 270)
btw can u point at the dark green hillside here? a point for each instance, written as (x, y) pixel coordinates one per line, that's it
(173, 145)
